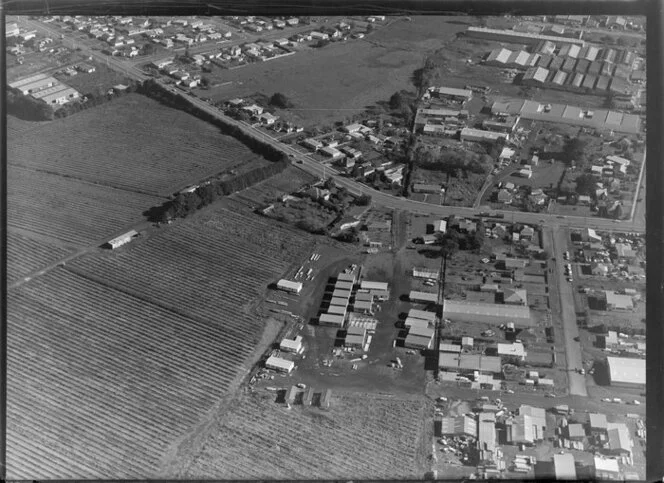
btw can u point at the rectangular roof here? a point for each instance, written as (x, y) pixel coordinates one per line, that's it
(418, 340)
(478, 362)
(362, 305)
(369, 285)
(283, 283)
(597, 421)
(29, 80)
(336, 309)
(606, 464)
(275, 361)
(343, 285)
(448, 360)
(482, 311)
(421, 331)
(331, 319)
(341, 301)
(341, 293)
(627, 370)
(563, 466)
(423, 296)
(410, 322)
(422, 314)
(346, 277)
(523, 37)
(447, 347)
(451, 91)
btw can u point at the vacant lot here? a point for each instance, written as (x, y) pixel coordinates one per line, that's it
(260, 438)
(100, 382)
(71, 211)
(352, 75)
(132, 143)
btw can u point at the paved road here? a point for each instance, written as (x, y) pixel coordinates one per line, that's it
(556, 239)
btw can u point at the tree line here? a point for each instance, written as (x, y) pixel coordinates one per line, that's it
(185, 204)
(27, 108)
(156, 91)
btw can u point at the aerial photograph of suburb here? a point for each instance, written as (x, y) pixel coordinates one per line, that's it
(316, 247)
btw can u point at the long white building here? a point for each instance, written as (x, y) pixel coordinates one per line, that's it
(289, 286)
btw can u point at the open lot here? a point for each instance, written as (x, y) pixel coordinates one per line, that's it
(356, 74)
(146, 147)
(97, 82)
(262, 439)
(26, 253)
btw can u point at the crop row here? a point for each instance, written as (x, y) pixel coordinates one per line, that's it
(84, 357)
(260, 440)
(151, 147)
(70, 210)
(25, 255)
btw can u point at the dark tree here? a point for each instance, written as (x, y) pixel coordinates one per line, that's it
(396, 101)
(281, 101)
(205, 82)
(364, 200)
(575, 151)
(585, 184)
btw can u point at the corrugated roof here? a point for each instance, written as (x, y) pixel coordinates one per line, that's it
(563, 466)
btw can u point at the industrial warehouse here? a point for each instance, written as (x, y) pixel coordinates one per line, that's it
(46, 88)
(600, 119)
(463, 311)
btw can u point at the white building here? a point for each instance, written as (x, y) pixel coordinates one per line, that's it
(369, 285)
(278, 364)
(122, 239)
(424, 297)
(627, 371)
(292, 345)
(289, 286)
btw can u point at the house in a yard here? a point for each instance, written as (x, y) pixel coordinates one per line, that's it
(504, 196)
(278, 364)
(292, 345)
(527, 233)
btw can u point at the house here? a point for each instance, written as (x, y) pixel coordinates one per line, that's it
(527, 233)
(524, 173)
(506, 155)
(589, 235)
(313, 144)
(465, 225)
(504, 196)
(253, 109)
(267, 118)
(477, 135)
(439, 226)
(624, 250)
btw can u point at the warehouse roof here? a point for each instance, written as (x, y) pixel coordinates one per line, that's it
(538, 74)
(423, 296)
(369, 285)
(606, 464)
(448, 360)
(563, 466)
(575, 430)
(597, 421)
(499, 55)
(422, 314)
(340, 301)
(274, 361)
(454, 308)
(447, 347)
(334, 319)
(459, 425)
(410, 322)
(417, 340)
(627, 370)
(451, 91)
(618, 301)
(478, 362)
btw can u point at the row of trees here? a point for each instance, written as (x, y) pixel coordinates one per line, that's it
(186, 203)
(451, 162)
(154, 90)
(26, 107)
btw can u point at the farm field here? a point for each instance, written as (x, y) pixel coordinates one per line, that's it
(209, 267)
(261, 438)
(101, 382)
(26, 254)
(70, 210)
(151, 150)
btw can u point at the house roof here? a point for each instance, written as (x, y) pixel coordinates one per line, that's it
(619, 301)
